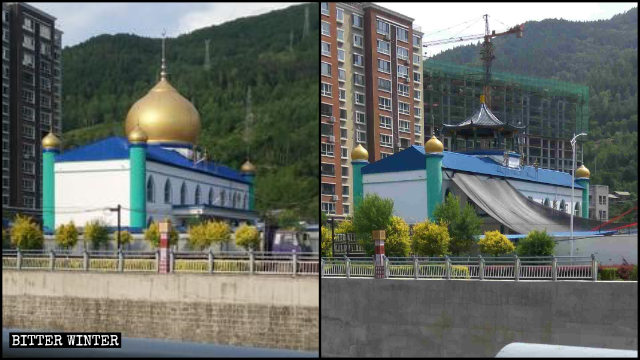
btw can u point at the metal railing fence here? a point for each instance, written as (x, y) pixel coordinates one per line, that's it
(470, 267)
(241, 262)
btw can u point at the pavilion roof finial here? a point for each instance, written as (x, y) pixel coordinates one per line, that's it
(163, 68)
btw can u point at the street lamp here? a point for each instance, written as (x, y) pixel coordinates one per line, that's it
(573, 174)
(118, 210)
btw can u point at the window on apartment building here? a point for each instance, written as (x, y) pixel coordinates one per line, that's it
(45, 67)
(361, 136)
(345, 191)
(341, 55)
(28, 113)
(324, 8)
(27, 60)
(402, 53)
(326, 129)
(342, 75)
(384, 103)
(386, 140)
(403, 108)
(328, 189)
(382, 27)
(27, 24)
(329, 208)
(325, 28)
(384, 84)
(28, 131)
(325, 69)
(416, 76)
(29, 202)
(327, 169)
(402, 34)
(358, 40)
(28, 184)
(343, 114)
(345, 171)
(361, 118)
(325, 89)
(358, 79)
(384, 66)
(28, 42)
(417, 94)
(29, 167)
(344, 153)
(403, 89)
(28, 78)
(5, 71)
(339, 14)
(384, 155)
(384, 47)
(326, 48)
(340, 35)
(417, 41)
(326, 149)
(28, 150)
(385, 122)
(405, 143)
(45, 49)
(45, 100)
(326, 109)
(343, 134)
(416, 59)
(343, 95)
(359, 97)
(403, 71)
(417, 128)
(45, 31)
(28, 96)
(5, 54)
(404, 125)
(358, 21)
(358, 60)
(416, 111)
(45, 83)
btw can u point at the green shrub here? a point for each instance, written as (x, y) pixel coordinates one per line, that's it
(97, 233)
(25, 234)
(609, 274)
(634, 273)
(397, 242)
(67, 235)
(430, 239)
(344, 227)
(6, 240)
(248, 237)
(373, 213)
(152, 235)
(325, 242)
(536, 243)
(494, 243)
(463, 224)
(460, 271)
(125, 237)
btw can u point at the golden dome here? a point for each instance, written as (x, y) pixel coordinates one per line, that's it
(165, 116)
(582, 172)
(50, 141)
(137, 135)
(359, 153)
(433, 145)
(248, 167)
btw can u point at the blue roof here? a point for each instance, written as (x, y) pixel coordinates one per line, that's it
(117, 147)
(413, 158)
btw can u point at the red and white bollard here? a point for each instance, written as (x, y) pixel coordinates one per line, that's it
(378, 238)
(164, 228)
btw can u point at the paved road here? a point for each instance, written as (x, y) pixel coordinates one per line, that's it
(137, 347)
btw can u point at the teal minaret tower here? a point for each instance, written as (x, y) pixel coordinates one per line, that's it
(582, 179)
(50, 148)
(359, 159)
(433, 149)
(138, 175)
(249, 173)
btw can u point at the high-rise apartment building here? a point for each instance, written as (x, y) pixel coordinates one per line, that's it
(31, 102)
(371, 87)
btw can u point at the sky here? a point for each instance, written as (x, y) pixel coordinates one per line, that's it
(466, 18)
(81, 21)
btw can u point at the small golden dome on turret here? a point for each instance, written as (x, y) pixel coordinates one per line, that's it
(137, 135)
(248, 167)
(582, 172)
(433, 145)
(50, 141)
(359, 153)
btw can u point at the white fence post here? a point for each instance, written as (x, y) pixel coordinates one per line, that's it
(415, 267)
(120, 260)
(321, 268)
(594, 268)
(347, 266)
(447, 267)
(19, 260)
(157, 260)
(294, 262)
(251, 261)
(85, 257)
(172, 258)
(554, 268)
(516, 268)
(386, 267)
(52, 260)
(210, 261)
(480, 267)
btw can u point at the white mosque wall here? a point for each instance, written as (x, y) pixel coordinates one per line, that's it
(408, 189)
(159, 173)
(86, 189)
(539, 192)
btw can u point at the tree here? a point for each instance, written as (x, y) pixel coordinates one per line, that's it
(463, 224)
(248, 237)
(152, 235)
(430, 239)
(219, 231)
(495, 244)
(325, 244)
(397, 242)
(323, 218)
(289, 220)
(6, 240)
(67, 235)
(536, 243)
(25, 234)
(344, 227)
(125, 237)
(97, 233)
(373, 213)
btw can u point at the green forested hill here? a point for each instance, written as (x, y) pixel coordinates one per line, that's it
(271, 54)
(600, 54)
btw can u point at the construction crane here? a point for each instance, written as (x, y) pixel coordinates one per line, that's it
(486, 54)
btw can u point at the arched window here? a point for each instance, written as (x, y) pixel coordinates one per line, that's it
(530, 198)
(446, 193)
(223, 197)
(150, 190)
(235, 200)
(183, 194)
(150, 221)
(210, 196)
(246, 199)
(576, 211)
(197, 196)
(547, 202)
(563, 205)
(167, 192)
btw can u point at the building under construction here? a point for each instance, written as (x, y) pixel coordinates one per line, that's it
(551, 111)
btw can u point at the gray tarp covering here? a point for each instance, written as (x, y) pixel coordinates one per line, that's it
(505, 204)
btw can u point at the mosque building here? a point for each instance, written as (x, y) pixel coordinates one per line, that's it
(485, 170)
(153, 173)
